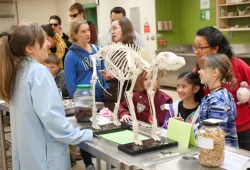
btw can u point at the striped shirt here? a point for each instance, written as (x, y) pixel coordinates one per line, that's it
(221, 105)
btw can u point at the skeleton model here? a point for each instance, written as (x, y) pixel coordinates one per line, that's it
(126, 62)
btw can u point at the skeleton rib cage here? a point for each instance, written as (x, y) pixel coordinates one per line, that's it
(121, 60)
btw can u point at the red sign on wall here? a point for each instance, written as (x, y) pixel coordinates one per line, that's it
(146, 27)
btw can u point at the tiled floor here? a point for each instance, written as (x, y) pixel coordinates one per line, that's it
(80, 166)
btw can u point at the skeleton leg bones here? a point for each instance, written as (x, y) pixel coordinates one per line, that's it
(115, 119)
(151, 95)
(93, 83)
(129, 96)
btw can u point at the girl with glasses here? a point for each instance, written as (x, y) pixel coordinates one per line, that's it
(121, 31)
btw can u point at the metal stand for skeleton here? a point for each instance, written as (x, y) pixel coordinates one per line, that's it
(93, 83)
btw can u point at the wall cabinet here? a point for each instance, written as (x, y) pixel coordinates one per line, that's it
(233, 15)
(6, 7)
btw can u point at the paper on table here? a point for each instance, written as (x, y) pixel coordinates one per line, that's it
(122, 137)
(234, 160)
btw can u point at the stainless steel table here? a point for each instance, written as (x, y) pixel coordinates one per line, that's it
(191, 162)
(109, 152)
(3, 107)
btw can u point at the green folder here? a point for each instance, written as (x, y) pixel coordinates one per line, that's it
(122, 137)
(182, 132)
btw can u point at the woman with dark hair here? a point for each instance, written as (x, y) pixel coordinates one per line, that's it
(122, 31)
(210, 40)
(58, 45)
(56, 23)
(40, 131)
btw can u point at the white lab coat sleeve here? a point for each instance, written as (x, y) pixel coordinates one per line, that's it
(49, 108)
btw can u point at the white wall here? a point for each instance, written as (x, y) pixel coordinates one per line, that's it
(103, 16)
(36, 11)
(6, 23)
(147, 9)
(62, 8)
(39, 11)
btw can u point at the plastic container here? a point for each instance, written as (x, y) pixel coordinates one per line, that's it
(211, 142)
(83, 102)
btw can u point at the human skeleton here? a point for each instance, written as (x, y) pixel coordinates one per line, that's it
(126, 62)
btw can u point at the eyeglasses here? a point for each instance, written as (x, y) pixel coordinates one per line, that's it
(73, 15)
(55, 25)
(114, 28)
(199, 48)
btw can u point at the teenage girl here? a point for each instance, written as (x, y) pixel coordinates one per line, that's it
(219, 104)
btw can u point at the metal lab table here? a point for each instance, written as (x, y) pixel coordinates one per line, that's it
(3, 107)
(190, 162)
(109, 152)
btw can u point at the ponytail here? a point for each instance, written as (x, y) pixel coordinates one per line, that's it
(7, 69)
(225, 48)
(13, 53)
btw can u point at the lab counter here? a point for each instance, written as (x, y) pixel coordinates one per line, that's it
(174, 158)
(235, 159)
(108, 151)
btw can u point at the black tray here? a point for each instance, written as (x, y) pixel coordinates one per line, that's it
(131, 148)
(148, 145)
(109, 128)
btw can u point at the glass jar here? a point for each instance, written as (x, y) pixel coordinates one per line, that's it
(211, 143)
(83, 102)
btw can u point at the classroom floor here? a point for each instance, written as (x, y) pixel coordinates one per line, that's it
(80, 165)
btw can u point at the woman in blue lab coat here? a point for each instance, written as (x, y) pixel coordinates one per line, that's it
(40, 131)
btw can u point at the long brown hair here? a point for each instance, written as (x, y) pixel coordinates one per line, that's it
(127, 30)
(12, 53)
(220, 62)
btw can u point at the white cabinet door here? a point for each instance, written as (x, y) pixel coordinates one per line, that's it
(147, 15)
(146, 10)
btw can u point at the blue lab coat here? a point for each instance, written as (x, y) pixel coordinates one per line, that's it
(39, 129)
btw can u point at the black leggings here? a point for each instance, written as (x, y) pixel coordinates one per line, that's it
(87, 158)
(244, 139)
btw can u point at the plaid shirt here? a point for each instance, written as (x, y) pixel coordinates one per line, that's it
(221, 105)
